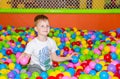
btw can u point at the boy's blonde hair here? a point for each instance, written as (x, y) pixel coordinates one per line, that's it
(40, 17)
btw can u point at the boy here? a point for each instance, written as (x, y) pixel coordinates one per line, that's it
(42, 48)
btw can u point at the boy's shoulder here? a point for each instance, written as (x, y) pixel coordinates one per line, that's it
(50, 39)
(32, 41)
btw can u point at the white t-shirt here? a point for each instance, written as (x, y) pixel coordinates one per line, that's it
(40, 52)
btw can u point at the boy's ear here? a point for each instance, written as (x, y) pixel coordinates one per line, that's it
(35, 28)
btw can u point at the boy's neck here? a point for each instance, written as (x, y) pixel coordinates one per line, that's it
(42, 38)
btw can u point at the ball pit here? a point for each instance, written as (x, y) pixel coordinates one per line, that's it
(98, 54)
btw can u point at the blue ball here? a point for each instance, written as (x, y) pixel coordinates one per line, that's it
(71, 71)
(104, 75)
(18, 66)
(58, 52)
(92, 72)
(118, 30)
(75, 59)
(114, 56)
(73, 36)
(98, 67)
(44, 75)
(77, 49)
(1, 27)
(3, 66)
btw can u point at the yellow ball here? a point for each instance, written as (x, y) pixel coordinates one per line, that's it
(79, 67)
(4, 71)
(104, 68)
(107, 49)
(117, 51)
(111, 73)
(75, 29)
(11, 66)
(86, 51)
(102, 63)
(115, 77)
(53, 74)
(113, 34)
(3, 77)
(1, 55)
(78, 33)
(67, 74)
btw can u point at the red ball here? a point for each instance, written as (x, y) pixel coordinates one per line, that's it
(107, 58)
(12, 41)
(78, 43)
(39, 77)
(84, 65)
(118, 66)
(66, 49)
(89, 42)
(51, 77)
(55, 64)
(9, 52)
(73, 43)
(59, 76)
(20, 39)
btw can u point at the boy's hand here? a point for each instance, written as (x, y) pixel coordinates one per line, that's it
(70, 56)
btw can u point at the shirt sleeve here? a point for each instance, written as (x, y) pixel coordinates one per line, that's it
(29, 48)
(54, 47)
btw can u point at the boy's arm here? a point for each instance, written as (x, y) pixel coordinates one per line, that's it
(59, 59)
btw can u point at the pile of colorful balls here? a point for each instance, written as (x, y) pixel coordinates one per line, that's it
(98, 53)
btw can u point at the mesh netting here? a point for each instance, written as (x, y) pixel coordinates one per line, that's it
(70, 4)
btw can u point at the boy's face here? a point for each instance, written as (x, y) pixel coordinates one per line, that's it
(42, 27)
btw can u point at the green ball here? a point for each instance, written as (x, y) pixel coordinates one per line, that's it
(95, 77)
(23, 75)
(82, 58)
(50, 71)
(118, 45)
(84, 76)
(119, 57)
(35, 74)
(50, 34)
(7, 46)
(61, 68)
(90, 53)
(95, 56)
(13, 58)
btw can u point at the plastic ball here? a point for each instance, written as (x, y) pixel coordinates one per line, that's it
(9, 52)
(66, 74)
(118, 66)
(35, 74)
(11, 66)
(107, 58)
(71, 71)
(92, 72)
(111, 68)
(23, 75)
(104, 75)
(55, 64)
(98, 67)
(92, 64)
(44, 75)
(75, 59)
(113, 56)
(39, 77)
(59, 76)
(51, 77)
(11, 75)
(24, 61)
(87, 69)
(65, 77)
